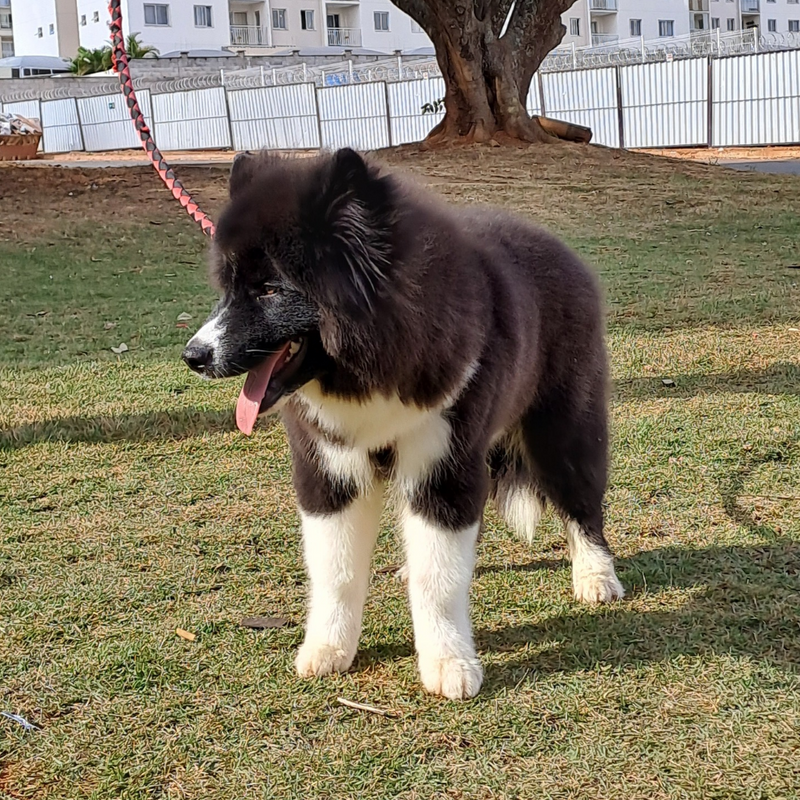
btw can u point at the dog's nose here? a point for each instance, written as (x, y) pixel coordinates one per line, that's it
(198, 356)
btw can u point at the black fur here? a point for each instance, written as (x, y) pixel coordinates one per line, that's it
(397, 293)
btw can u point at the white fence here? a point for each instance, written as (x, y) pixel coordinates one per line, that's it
(740, 100)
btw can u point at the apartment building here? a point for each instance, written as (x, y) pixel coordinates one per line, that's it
(6, 30)
(57, 27)
(371, 24)
(600, 22)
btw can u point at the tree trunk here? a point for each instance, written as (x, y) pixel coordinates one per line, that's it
(487, 76)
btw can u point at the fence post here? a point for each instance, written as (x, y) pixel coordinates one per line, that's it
(541, 93)
(229, 116)
(388, 113)
(574, 61)
(710, 103)
(80, 126)
(620, 116)
(350, 69)
(755, 39)
(319, 117)
(263, 81)
(305, 73)
(644, 50)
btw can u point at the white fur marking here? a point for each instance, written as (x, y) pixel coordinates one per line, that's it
(338, 549)
(370, 425)
(210, 335)
(522, 510)
(344, 464)
(440, 565)
(593, 577)
(421, 450)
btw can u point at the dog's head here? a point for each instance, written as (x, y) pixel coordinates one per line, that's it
(301, 255)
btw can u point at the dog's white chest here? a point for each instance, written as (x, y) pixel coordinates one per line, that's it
(420, 437)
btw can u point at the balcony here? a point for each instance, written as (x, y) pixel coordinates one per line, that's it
(249, 36)
(750, 6)
(600, 39)
(603, 6)
(5, 20)
(344, 37)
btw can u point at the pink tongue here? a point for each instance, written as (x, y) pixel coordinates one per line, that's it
(253, 391)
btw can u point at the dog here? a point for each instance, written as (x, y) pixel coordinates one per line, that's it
(458, 352)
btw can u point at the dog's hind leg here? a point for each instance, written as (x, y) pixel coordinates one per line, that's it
(567, 445)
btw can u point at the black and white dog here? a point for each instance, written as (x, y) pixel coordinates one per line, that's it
(456, 351)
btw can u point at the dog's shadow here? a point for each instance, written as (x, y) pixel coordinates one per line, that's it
(744, 601)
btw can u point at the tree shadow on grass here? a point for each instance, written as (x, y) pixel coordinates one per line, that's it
(780, 378)
(130, 427)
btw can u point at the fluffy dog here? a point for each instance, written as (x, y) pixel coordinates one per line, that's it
(458, 352)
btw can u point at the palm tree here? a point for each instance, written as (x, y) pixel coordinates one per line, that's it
(138, 50)
(87, 62)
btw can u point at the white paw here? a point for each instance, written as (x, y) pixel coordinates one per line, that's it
(596, 587)
(455, 678)
(321, 659)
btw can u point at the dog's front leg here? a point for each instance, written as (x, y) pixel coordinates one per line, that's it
(340, 518)
(440, 529)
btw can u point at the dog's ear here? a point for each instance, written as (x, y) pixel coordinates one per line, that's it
(242, 171)
(350, 223)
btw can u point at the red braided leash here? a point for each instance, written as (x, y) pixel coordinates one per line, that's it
(120, 61)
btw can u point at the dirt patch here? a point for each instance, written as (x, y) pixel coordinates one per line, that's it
(42, 200)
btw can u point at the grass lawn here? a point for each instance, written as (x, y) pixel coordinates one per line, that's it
(130, 506)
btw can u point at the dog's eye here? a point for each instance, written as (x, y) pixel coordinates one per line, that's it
(268, 291)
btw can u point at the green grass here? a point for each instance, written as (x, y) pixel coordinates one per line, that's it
(130, 506)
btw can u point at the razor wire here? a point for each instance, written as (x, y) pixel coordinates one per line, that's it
(619, 53)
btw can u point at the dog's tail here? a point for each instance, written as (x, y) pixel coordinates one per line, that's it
(513, 489)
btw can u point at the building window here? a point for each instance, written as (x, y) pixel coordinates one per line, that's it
(96, 16)
(202, 17)
(156, 14)
(666, 27)
(731, 24)
(714, 23)
(770, 1)
(415, 28)
(793, 2)
(772, 25)
(52, 28)
(794, 26)
(39, 32)
(307, 20)
(279, 19)
(575, 26)
(83, 19)
(381, 20)
(636, 27)
(5, 20)
(7, 48)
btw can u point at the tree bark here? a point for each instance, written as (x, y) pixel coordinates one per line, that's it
(487, 75)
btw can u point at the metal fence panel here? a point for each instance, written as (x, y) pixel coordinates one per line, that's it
(61, 128)
(756, 100)
(193, 120)
(277, 117)
(354, 116)
(406, 98)
(586, 97)
(665, 104)
(106, 122)
(534, 100)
